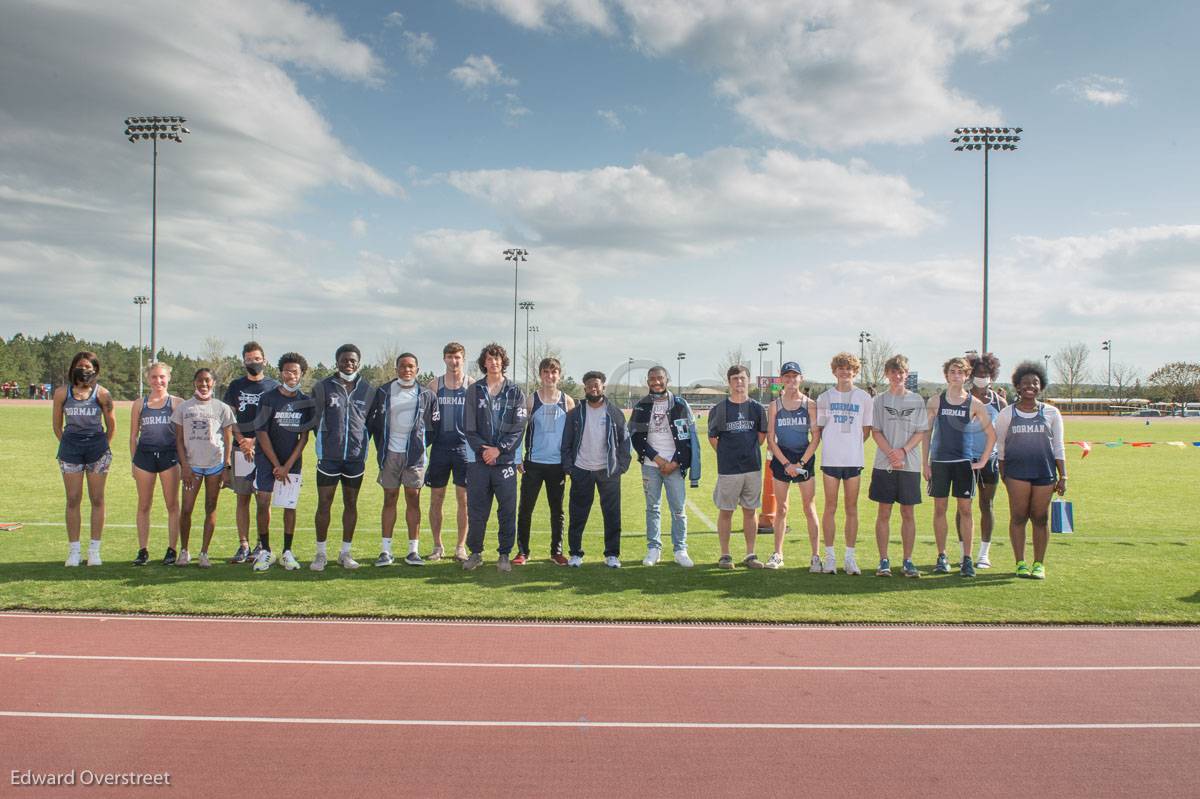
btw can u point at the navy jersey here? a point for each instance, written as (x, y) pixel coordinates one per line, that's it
(284, 419)
(950, 439)
(245, 397)
(449, 435)
(736, 427)
(792, 427)
(82, 419)
(156, 432)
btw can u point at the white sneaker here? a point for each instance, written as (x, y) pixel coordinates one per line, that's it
(204, 562)
(72, 560)
(93, 559)
(850, 564)
(575, 561)
(681, 557)
(983, 562)
(347, 562)
(264, 560)
(775, 561)
(288, 561)
(318, 562)
(830, 565)
(183, 558)
(652, 556)
(612, 562)
(814, 566)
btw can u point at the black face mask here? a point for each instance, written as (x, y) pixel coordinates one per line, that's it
(255, 369)
(80, 376)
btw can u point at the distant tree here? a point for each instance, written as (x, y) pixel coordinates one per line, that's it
(1071, 368)
(539, 348)
(572, 388)
(732, 357)
(224, 366)
(425, 378)
(878, 351)
(1123, 377)
(1176, 382)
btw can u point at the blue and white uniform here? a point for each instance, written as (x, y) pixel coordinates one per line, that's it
(1030, 443)
(284, 419)
(792, 432)
(84, 444)
(449, 453)
(950, 450)
(156, 438)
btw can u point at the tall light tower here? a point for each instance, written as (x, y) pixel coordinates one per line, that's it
(680, 357)
(780, 343)
(864, 338)
(140, 301)
(154, 129)
(1106, 345)
(253, 328)
(762, 347)
(1047, 359)
(516, 255)
(526, 306)
(989, 140)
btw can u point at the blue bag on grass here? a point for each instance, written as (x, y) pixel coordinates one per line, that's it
(1062, 516)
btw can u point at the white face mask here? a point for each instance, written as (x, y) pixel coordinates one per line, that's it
(348, 376)
(981, 382)
(406, 383)
(292, 387)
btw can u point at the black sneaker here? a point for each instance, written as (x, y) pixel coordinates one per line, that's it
(169, 558)
(243, 552)
(142, 557)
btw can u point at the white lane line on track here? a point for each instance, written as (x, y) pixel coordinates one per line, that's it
(651, 725)
(734, 626)
(570, 666)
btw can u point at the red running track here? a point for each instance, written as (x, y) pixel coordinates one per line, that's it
(293, 707)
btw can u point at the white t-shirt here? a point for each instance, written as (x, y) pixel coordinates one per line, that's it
(401, 412)
(659, 435)
(842, 415)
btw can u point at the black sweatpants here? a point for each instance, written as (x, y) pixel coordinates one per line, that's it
(483, 484)
(555, 480)
(584, 485)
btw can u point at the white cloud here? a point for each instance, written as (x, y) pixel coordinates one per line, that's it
(478, 73)
(358, 227)
(611, 119)
(418, 47)
(1097, 89)
(830, 74)
(678, 204)
(394, 20)
(514, 109)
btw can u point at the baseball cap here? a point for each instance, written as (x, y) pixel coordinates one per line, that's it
(791, 366)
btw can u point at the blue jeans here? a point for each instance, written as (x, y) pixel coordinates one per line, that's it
(654, 482)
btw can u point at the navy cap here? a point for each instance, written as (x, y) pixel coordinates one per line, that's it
(791, 366)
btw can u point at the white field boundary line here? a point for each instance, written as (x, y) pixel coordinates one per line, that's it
(21, 656)
(584, 724)
(585, 625)
(701, 515)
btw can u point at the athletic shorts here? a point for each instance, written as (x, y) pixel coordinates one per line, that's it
(155, 460)
(89, 454)
(733, 490)
(395, 472)
(989, 474)
(208, 471)
(264, 476)
(842, 472)
(889, 486)
(243, 485)
(442, 464)
(348, 473)
(953, 478)
(98, 466)
(1036, 481)
(777, 468)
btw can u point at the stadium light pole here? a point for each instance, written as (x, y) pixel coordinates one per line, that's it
(1046, 358)
(1106, 345)
(516, 255)
(253, 328)
(140, 301)
(864, 338)
(629, 381)
(526, 306)
(680, 357)
(988, 140)
(139, 128)
(780, 343)
(762, 347)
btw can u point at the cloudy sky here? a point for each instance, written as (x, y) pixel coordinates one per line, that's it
(687, 175)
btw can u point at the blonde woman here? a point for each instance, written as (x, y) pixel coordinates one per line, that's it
(792, 440)
(152, 448)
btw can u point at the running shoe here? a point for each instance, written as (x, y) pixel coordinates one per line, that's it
(1022, 569)
(751, 561)
(504, 564)
(460, 555)
(612, 562)
(1038, 572)
(575, 561)
(143, 557)
(473, 562)
(93, 558)
(346, 561)
(264, 560)
(908, 569)
(885, 568)
(242, 554)
(725, 562)
(652, 556)
(253, 556)
(942, 566)
(72, 560)
(318, 562)
(850, 564)
(204, 562)
(169, 558)
(814, 565)
(288, 561)
(829, 566)
(183, 559)
(413, 559)
(681, 557)
(520, 559)
(983, 562)
(967, 569)
(559, 558)
(437, 554)
(384, 559)
(774, 562)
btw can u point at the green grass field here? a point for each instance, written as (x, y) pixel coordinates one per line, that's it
(1133, 559)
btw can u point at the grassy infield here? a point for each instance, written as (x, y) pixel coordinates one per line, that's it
(1134, 558)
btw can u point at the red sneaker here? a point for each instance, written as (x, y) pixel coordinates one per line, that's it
(519, 560)
(559, 558)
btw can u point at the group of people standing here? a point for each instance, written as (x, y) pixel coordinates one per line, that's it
(480, 435)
